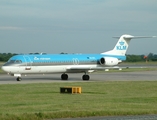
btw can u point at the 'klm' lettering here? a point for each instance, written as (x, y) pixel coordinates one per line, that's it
(121, 47)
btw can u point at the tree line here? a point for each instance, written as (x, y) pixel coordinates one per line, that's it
(6, 56)
(129, 58)
(140, 58)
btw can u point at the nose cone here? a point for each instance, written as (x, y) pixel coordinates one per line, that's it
(4, 68)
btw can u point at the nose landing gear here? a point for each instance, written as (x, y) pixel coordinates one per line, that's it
(18, 78)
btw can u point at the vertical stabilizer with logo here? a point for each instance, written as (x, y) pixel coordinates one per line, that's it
(123, 44)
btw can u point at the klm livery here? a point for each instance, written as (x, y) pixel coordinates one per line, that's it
(68, 63)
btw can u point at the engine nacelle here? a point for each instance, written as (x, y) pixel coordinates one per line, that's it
(108, 61)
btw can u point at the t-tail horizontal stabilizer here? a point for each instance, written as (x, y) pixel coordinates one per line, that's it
(123, 44)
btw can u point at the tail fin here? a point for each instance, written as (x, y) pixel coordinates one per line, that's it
(123, 44)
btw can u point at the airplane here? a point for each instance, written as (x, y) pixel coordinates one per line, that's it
(68, 63)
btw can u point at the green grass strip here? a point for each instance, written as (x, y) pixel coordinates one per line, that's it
(44, 100)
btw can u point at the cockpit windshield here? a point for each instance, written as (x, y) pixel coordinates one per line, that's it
(14, 61)
(18, 61)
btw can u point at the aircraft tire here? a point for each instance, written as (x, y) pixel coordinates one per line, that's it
(64, 77)
(19, 79)
(85, 77)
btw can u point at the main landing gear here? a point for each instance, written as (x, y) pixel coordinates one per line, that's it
(64, 76)
(84, 77)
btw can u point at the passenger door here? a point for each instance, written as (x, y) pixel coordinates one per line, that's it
(28, 62)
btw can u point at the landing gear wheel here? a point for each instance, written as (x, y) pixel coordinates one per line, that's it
(18, 78)
(64, 77)
(85, 77)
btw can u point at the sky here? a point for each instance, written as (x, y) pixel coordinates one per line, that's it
(76, 26)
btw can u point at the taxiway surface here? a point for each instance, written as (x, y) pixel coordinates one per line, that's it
(101, 76)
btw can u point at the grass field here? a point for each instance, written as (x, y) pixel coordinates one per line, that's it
(44, 101)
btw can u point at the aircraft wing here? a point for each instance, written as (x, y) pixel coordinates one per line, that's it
(91, 69)
(88, 69)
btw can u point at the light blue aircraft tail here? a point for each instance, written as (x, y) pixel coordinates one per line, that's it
(123, 44)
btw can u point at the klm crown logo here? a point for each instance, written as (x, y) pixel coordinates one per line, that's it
(121, 43)
(122, 46)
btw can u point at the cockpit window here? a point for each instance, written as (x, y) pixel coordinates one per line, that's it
(11, 61)
(14, 61)
(18, 61)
